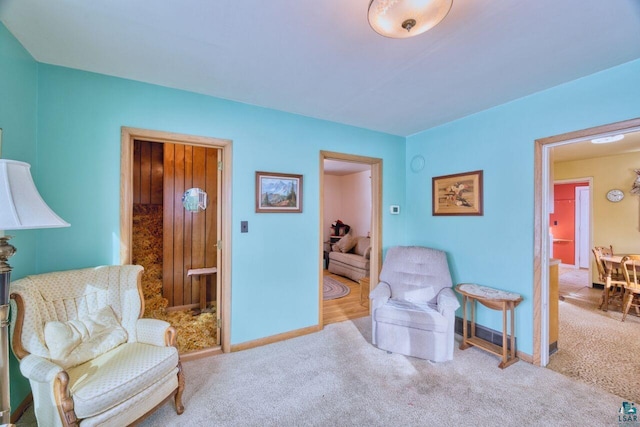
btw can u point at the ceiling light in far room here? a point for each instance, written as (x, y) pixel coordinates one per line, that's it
(400, 19)
(607, 139)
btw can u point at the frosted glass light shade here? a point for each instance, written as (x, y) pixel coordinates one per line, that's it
(21, 206)
(406, 18)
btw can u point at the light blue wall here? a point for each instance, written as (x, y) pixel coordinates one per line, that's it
(18, 97)
(275, 265)
(497, 249)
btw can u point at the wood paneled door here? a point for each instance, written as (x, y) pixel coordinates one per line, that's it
(182, 240)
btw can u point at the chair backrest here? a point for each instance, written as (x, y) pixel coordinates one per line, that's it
(599, 265)
(631, 270)
(599, 251)
(604, 250)
(69, 295)
(415, 273)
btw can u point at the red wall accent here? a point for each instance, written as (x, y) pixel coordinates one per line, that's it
(562, 221)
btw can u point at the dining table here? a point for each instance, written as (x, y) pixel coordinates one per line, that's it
(610, 262)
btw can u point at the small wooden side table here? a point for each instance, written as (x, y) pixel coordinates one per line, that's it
(202, 274)
(364, 291)
(496, 300)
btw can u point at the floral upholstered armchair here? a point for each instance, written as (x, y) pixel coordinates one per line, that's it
(89, 357)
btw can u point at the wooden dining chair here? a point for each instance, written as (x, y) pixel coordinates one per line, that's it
(618, 282)
(631, 269)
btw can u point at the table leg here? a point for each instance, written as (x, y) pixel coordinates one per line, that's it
(202, 284)
(505, 348)
(472, 301)
(509, 357)
(513, 333)
(464, 345)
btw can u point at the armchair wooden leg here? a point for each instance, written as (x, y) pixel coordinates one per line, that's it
(64, 400)
(178, 400)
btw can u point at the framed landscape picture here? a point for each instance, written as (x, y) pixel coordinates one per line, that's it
(458, 194)
(278, 192)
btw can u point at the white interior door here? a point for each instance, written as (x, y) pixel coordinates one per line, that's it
(583, 211)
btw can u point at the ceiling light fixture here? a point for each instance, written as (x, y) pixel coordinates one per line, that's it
(400, 19)
(607, 139)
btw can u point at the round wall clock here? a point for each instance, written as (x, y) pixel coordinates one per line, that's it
(615, 195)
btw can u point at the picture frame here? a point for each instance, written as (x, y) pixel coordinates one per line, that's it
(458, 194)
(278, 192)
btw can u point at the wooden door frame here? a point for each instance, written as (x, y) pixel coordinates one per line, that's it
(128, 135)
(541, 236)
(375, 261)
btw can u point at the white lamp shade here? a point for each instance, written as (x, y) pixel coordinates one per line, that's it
(21, 206)
(387, 17)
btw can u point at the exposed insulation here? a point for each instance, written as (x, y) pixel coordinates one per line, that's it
(194, 332)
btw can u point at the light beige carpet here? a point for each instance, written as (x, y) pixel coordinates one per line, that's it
(337, 378)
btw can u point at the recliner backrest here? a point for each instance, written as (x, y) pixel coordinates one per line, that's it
(416, 273)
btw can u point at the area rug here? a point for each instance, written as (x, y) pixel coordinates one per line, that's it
(333, 289)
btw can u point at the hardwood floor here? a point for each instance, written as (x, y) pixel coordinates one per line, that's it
(345, 308)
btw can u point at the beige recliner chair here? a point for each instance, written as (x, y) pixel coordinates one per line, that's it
(88, 356)
(413, 307)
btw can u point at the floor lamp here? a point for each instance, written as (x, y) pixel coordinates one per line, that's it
(21, 207)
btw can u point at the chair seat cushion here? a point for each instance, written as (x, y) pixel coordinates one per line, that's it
(117, 375)
(412, 315)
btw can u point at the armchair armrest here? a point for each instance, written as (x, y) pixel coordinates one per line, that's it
(155, 332)
(447, 300)
(380, 295)
(39, 369)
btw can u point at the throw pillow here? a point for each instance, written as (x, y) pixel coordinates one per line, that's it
(77, 341)
(347, 243)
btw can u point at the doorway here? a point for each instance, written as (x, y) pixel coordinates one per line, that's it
(543, 181)
(166, 165)
(374, 230)
(570, 223)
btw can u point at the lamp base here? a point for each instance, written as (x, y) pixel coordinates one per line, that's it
(6, 251)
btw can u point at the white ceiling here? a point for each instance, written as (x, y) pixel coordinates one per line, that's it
(321, 59)
(341, 168)
(586, 150)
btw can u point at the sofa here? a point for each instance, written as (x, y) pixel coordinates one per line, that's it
(349, 257)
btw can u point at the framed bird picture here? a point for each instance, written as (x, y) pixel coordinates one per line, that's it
(458, 194)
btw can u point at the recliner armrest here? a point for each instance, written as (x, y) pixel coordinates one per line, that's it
(155, 332)
(380, 295)
(39, 369)
(447, 300)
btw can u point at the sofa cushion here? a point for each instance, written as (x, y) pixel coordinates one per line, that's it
(345, 244)
(353, 260)
(118, 375)
(77, 341)
(418, 316)
(363, 246)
